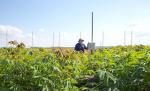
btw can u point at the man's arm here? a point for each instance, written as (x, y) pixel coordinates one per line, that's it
(77, 47)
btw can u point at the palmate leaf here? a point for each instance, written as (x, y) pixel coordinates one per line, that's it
(124, 68)
(45, 88)
(113, 78)
(106, 76)
(5, 89)
(101, 74)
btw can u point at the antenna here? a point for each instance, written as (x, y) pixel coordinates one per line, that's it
(124, 38)
(92, 29)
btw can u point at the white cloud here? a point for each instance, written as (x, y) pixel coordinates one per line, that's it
(10, 33)
(14, 33)
(42, 30)
(141, 35)
(139, 26)
(10, 30)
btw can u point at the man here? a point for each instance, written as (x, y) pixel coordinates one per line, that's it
(80, 46)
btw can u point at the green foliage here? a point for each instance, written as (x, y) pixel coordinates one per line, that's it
(109, 69)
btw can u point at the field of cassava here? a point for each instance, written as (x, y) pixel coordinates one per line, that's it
(109, 69)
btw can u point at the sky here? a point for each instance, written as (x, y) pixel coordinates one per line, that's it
(72, 18)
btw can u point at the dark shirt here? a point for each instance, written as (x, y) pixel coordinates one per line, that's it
(80, 47)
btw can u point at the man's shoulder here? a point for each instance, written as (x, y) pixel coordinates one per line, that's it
(83, 44)
(78, 44)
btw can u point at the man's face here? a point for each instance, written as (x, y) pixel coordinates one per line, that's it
(81, 41)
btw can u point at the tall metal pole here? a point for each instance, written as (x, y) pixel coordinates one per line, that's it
(38, 40)
(53, 39)
(92, 29)
(0, 40)
(102, 39)
(32, 39)
(131, 37)
(124, 38)
(59, 40)
(80, 35)
(6, 37)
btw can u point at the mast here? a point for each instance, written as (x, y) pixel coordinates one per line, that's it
(92, 29)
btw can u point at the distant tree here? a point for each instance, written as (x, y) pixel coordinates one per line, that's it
(16, 44)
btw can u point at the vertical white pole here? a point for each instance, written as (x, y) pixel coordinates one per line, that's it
(0, 39)
(53, 39)
(124, 38)
(92, 29)
(32, 39)
(6, 38)
(102, 39)
(131, 37)
(38, 40)
(59, 40)
(80, 35)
